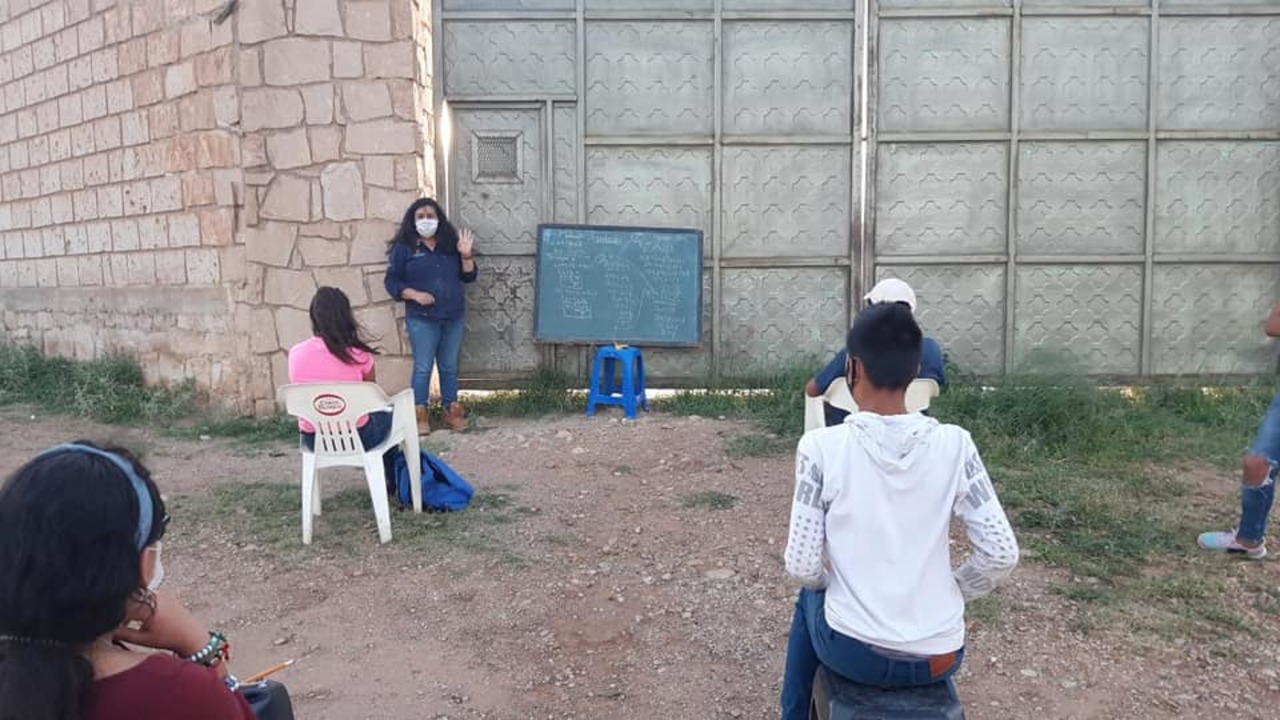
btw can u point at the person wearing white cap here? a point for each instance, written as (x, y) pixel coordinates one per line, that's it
(889, 290)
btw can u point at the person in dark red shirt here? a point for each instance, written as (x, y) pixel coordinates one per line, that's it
(80, 532)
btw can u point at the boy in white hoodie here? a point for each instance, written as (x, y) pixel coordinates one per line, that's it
(870, 518)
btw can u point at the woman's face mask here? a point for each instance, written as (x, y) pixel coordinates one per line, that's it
(427, 226)
(157, 570)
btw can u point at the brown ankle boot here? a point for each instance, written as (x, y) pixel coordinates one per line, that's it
(453, 418)
(424, 428)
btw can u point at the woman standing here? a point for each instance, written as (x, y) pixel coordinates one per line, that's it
(429, 261)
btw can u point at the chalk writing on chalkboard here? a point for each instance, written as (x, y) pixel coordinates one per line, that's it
(596, 284)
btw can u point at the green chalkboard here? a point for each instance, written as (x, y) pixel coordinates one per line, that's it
(639, 286)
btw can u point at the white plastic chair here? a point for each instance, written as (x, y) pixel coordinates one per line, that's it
(920, 393)
(333, 409)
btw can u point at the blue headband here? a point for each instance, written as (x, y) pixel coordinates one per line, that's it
(145, 507)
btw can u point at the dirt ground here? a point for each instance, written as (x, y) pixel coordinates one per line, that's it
(612, 593)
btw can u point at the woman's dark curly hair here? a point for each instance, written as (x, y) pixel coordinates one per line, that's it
(407, 235)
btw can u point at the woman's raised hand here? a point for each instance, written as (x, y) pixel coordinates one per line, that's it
(466, 243)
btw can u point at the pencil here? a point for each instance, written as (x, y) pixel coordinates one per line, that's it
(259, 677)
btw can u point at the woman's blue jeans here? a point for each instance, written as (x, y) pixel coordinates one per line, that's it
(438, 343)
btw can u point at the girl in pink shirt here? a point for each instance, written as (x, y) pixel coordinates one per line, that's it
(336, 353)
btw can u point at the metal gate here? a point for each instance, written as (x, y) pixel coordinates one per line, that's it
(737, 117)
(1098, 179)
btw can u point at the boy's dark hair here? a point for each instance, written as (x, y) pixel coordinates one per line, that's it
(886, 338)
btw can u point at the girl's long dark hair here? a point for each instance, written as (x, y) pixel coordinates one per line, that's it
(69, 566)
(333, 322)
(407, 235)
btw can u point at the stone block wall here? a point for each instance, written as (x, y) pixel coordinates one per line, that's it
(334, 125)
(176, 180)
(118, 161)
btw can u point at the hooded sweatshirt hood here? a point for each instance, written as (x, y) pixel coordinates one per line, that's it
(893, 443)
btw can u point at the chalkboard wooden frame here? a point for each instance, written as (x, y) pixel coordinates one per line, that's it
(637, 341)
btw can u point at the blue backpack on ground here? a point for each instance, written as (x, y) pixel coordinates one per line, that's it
(443, 489)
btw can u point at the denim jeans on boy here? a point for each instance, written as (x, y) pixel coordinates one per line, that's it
(435, 342)
(1255, 502)
(813, 642)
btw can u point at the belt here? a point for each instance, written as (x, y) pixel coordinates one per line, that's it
(940, 665)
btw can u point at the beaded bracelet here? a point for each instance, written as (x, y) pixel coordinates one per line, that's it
(215, 651)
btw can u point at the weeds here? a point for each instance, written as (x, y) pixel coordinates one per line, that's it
(758, 445)
(110, 389)
(546, 393)
(113, 390)
(1085, 469)
(1088, 474)
(1068, 419)
(252, 431)
(710, 500)
(774, 402)
(267, 515)
(1090, 478)
(984, 611)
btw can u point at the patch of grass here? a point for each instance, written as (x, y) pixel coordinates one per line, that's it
(546, 393)
(710, 500)
(774, 402)
(557, 539)
(1195, 598)
(1266, 600)
(1090, 478)
(757, 445)
(1085, 471)
(1086, 593)
(1097, 523)
(268, 515)
(984, 611)
(252, 431)
(1069, 419)
(1081, 467)
(1184, 588)
(110, 389)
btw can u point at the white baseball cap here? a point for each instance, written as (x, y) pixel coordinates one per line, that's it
(892, 290)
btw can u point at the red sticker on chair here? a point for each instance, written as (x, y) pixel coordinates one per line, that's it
(329, 405)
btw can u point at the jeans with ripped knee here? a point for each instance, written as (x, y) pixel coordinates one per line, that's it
(1256, 500)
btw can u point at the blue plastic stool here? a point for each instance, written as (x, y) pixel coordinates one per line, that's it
(835, 698)
(605, 388)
